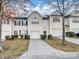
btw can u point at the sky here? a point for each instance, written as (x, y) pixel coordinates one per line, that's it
(41, 6)
(40, 2)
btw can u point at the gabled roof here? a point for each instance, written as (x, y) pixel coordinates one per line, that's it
(46, 17)
(34, 12)
(74, 13)
(20, 18)
(55, 13)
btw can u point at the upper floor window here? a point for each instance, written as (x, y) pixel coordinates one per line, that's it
(16, 22)
(21, 23)
(24, 23)
(56, 19)
(35, 18)
(35, 21)
(75, 20)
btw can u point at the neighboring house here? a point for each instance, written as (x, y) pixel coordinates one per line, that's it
(55, 21)
(14, 26)
(36, 24)
(74, 22)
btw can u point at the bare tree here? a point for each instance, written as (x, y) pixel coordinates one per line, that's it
(64, 7)
(0, 19)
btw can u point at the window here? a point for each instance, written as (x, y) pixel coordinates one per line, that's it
(35, 21)
(55, 19)
(23, 32)
(75, 20)
(15, 32)
(35, 18)
(21, 23)
(24, 23)
(16, 22)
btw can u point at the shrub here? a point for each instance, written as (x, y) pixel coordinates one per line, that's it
(49, 36)
(12, 37)
(7, 37)
(43, 37)
(77, 34)
(70, 34)
(16, 36)
(27, 36)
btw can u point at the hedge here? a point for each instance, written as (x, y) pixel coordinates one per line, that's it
(70, 34)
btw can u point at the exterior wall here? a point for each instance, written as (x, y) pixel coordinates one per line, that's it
(74, 26)
(6, 30)
(53, 28)
(45, 26)
(67, 29)
(35, 27)
(19, 28)
(56, 27)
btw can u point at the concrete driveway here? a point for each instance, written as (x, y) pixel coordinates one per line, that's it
(38, 49)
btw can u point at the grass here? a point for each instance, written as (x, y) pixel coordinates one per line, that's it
(68, 47)
(14, 48)
(75, 37)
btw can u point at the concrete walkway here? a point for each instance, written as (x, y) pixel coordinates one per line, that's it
(73, 40)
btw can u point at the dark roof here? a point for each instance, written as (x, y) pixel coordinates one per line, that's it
(46, 17)
(22, 18)
(67, 16)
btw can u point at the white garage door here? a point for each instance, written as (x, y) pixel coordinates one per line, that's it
(35, 35)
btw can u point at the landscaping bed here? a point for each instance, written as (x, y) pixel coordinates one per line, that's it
(68, 47)
(14, 48)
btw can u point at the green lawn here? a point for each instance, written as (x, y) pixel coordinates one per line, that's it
(14, 48)
(69, 47)
(75, 37)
